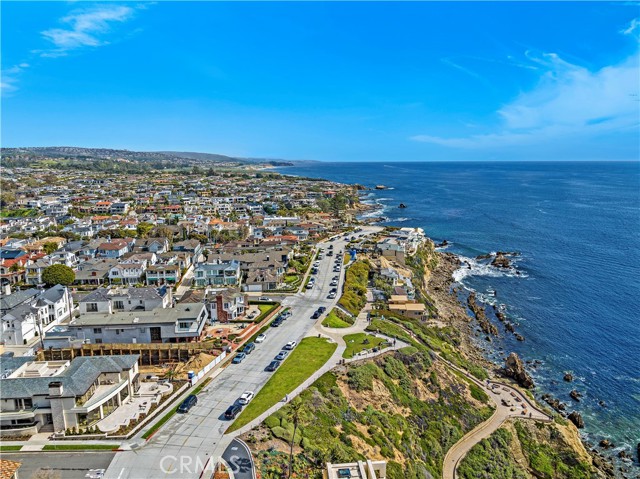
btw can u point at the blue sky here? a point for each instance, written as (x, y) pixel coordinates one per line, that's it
(326, 81)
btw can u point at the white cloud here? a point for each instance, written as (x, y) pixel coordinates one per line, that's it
(633, 28)
(86, 28)
(569, 101)
(10, 78)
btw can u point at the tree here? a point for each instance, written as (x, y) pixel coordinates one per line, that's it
(294, 415)
(49, 247)
(58, 274)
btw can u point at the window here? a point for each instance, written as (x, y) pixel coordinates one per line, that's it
(184, 325)
(117, 331)
(92, 307)
(118, 304)
(98, 341)
(97, 330)
(143, 330)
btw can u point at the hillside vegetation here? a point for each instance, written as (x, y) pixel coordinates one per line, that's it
(421, 410)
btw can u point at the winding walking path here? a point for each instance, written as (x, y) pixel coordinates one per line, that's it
(510, 403)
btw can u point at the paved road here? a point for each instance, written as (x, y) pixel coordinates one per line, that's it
(189, 443)
(498, 393)
(238, 458)
(69, 465)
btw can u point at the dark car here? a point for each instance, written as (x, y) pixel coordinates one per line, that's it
(273, 365)
(276, 323)
(238, 359)
(248, 348)
(315, 315)
(187, 404)
(322, 309)
(232, 411)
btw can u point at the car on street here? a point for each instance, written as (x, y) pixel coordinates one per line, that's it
(273, 365)
(286, 314)
(333, 283)
(276, 322)
(248, 348)
(245, 398)
(322, 309)
(281, 355)
(315, 315)
(264, 298)
(309, 285)
(239, 357)
(336, 278)
(316, 264)
(232, 411)
(330, 253)
(190, 401)
(290, 345)
(332, 295)
(261, 338)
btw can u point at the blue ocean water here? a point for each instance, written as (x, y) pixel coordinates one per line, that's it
(577, 228)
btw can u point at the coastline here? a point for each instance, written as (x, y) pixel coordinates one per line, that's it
(548, 376)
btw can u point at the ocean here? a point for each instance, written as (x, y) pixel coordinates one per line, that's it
(576, 227)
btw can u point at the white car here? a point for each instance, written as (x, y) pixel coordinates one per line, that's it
(331, 295)
(260, 338)
(264, 298)
(290, 345)
(246, 397)
(309, 285)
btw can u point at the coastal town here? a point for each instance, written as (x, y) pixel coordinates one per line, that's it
(219, 319)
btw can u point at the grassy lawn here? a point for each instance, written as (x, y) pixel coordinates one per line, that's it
(291, 278)
(356, 343)
(9, 448)
(265, 309)
(161, 422)
(334, 321)
(79, 447)
(310, 355)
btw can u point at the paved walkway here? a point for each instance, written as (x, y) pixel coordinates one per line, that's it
(510, 403)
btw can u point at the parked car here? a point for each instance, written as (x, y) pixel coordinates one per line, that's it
(290, 345)
(261, 338)
(232, 411)
(276, 323)
(286, 314)
(330, 253)
(332, 295)
(315, 315)
(331, 246)
(190, 401)
(245, 398)
(273, 365)
(239, 357)
(281, 355)
(333, 283)
(264, 298)
(322, 309)
(310, 285)
(248, 348)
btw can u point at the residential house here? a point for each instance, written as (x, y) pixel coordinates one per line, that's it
(110, 300)
(60, 395)
(95, 271)
(36, 312)
(152, 245)
(182, 323)
(114, 248)
(163, 274)
(225, 273)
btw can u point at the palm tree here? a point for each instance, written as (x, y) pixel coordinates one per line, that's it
(294, 414)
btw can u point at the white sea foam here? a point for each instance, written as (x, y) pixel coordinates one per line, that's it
(473, 267)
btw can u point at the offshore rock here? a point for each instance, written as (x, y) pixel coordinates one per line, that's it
(519, 337)
(568, 377)
(515, 370)
(478, 311)
(501, 261)
(605, 444)
(576, 418)
(575, 395)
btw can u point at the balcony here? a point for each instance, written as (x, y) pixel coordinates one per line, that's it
(26, 413)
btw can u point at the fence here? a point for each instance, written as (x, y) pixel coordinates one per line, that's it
(194, 379)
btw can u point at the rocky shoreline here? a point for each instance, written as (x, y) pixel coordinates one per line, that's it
(442, 287)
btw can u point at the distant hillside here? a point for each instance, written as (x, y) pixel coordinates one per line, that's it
(158, 158)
